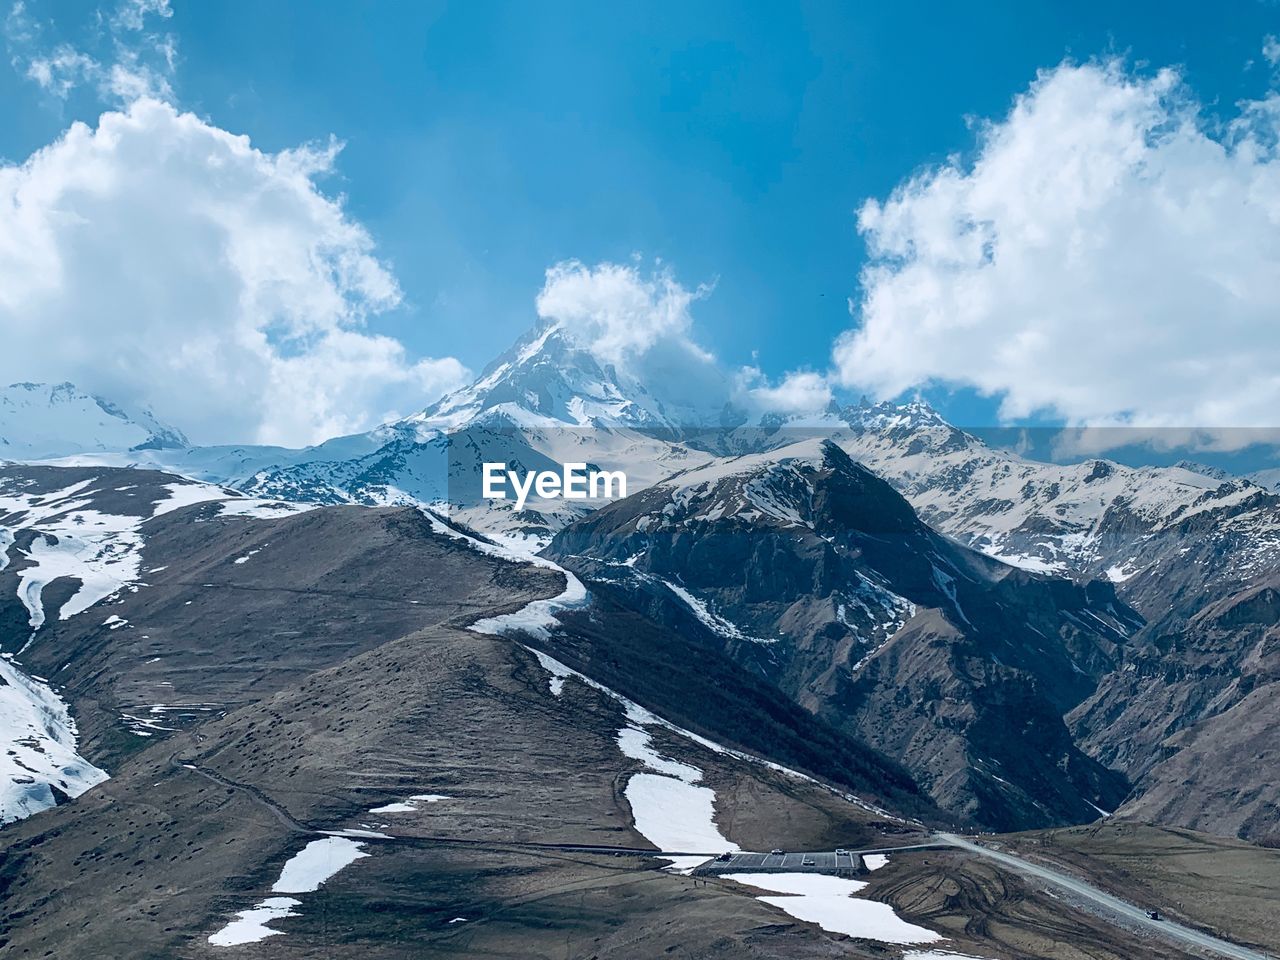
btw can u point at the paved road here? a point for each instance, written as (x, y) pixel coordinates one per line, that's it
(1164, 928)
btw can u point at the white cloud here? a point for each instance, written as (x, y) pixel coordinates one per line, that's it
(118, 58)
(132, 14)
(60, 71)
(799, 392)
(1107, 256)
(159, 260)
(1271, 49)
(616, 312)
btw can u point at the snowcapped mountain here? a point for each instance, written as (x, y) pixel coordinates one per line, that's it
(549, 400)
(547, 379)
(544, 402)
(40, 421)
(1194, 553)
(1097, 518)
(1267, 478)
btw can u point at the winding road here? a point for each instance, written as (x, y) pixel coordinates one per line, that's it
(1163, 928)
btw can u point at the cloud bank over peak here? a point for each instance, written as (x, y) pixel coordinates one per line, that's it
(1108, 256)
(161, 261)
(643, 324)
(617, 312)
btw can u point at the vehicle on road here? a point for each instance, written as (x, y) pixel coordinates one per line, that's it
(724, 857)
(776, 853)
(808, 862)
(1154, 915)
(841, 851)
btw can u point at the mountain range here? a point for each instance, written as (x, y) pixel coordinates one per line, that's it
(866, 622)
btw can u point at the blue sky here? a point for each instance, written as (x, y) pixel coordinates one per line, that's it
(734, 142)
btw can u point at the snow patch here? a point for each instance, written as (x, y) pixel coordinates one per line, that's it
(250, 926)
(262, 509)
(399, 807)
(713, 621)
(316, 863)
(829, 902)
(538, 618)
(675, 815)
(410, 805)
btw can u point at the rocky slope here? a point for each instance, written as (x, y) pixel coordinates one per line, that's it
(1095, 518)
(1173, 542)
(817, 575)
(265, 675)
(1193, 714)
(258, 677)
(1182, 545)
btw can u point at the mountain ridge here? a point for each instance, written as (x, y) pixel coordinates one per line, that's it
(42, 421)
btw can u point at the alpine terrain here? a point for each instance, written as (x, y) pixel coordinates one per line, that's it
(852, 684)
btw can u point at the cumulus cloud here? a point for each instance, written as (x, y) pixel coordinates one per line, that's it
(1108, 256)
(617, 312)
(798, 393)
(159, 260)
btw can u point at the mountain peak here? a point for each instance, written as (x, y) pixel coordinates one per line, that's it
(41, 421)
(887, 415)
(549, 379)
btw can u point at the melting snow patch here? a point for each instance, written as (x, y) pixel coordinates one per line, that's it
(637, 744)
(365, 834)
(669, 810)
(1118, 574)
(539, 617)
(874, 861)
(184, 495)
(674, 815)
(304, 872)
(317, 862)
(640, 717)
(100, 550)
(103, 562)
(410, 805)
(262, 509)
(559, 672)
(394, 808)
(250, 926)
(713, 621)
(828, 902)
